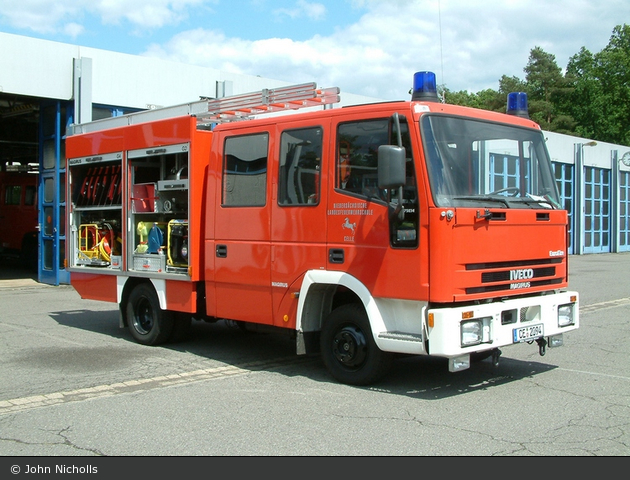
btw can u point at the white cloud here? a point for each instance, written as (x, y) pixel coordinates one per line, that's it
(50, 16)
(73, 30)
(370, 57)
(310, 10)
(143, 13)
(40, 16)
(469, 45)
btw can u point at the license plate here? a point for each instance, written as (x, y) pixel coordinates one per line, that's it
(530, 332)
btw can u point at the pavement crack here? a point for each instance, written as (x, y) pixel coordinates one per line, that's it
(69, 443)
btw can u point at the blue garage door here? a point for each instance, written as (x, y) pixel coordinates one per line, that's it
(565, 182)
(624, 212)
(596, 210)
(52, 201)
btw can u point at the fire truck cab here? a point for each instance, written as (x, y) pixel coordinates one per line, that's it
(411, 227)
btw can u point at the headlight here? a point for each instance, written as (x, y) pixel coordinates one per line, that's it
(565, 315)
(472, 332)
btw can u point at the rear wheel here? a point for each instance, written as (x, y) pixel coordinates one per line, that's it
(148, 323)
(348, 349)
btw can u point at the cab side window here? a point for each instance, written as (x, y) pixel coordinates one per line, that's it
(299, 173)
(357, 155)
(357, 173)
(245, 170)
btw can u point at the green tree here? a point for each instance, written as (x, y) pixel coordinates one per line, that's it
(612, 68)
(486, 99)
(601, 90)
(508, 85)
(591, 99)
(585, 101)
(547, 90)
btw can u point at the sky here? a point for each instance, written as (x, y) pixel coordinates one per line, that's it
(364, 47)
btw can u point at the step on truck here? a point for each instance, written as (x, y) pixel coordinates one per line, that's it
(406, 227)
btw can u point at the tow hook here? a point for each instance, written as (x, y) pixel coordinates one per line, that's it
(496, 353)
(542, 346)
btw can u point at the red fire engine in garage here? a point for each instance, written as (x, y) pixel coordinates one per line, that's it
(411, 227)
(18, 216)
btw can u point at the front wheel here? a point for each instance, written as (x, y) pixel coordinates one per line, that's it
(348, 349)
(148, 323)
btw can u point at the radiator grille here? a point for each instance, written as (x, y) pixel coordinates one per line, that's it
(511, 276)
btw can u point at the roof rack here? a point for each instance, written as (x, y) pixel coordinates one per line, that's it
(228, 109)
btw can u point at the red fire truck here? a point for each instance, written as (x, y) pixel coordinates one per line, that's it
(18, 217)
(411, 227)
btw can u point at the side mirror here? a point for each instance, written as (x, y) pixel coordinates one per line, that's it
(391, 166)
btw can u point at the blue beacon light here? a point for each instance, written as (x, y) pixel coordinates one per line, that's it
(424, 87)
(517, 104)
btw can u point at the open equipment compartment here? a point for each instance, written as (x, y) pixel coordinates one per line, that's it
(159, 186)
(96, 189)
(130, 210)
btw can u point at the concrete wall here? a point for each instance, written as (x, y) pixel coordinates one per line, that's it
(562, 149)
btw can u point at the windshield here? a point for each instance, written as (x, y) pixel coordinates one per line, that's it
(474, 163)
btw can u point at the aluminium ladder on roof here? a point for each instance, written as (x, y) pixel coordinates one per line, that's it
(227, 109)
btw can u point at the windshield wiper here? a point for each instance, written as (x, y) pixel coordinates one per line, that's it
(485, 198)
(530, 199)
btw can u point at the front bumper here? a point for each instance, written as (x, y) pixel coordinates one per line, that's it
(455, 332)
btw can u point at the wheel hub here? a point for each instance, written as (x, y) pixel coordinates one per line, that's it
(143, 320)
(350, 346)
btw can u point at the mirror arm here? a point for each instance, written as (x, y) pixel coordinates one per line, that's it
(397, 123)
(399, 210)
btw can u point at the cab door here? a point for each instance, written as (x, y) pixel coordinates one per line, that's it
(242, 246)
(298, 218)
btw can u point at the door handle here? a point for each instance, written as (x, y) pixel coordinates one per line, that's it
(221, 251)
(336, 255)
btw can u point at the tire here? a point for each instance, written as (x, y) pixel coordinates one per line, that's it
(348, 348)
(148, 323)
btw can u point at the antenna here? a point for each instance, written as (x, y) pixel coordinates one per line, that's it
(441, 53)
